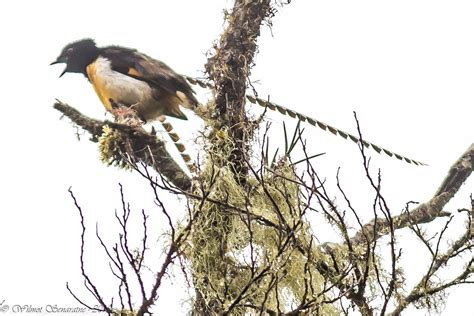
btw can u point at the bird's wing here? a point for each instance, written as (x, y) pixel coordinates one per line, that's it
(156, 73)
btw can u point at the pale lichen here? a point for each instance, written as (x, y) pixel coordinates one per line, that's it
(110, 148)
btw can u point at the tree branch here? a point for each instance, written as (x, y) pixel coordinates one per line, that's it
(426, 212)
(229, 69)
(424, 288)
(135, 144)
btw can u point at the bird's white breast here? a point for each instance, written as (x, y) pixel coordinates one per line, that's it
(110, 84)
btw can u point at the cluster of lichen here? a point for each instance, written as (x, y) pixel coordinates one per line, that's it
(123, 312)
(110, 148)
(228, 251)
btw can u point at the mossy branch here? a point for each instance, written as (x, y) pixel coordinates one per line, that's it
(425, 212)
(229, 69)
(132, 143)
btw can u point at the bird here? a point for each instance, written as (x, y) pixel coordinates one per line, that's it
(127, 77)
(124, 76)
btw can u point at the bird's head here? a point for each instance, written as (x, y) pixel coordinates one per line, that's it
(77, 56)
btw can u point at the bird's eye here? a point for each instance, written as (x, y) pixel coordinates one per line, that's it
(69, 50)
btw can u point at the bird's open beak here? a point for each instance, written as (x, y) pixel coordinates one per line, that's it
(60, 61)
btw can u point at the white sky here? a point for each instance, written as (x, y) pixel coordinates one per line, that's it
(406, 67)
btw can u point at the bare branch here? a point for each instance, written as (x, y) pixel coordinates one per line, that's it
(423, 288)
(87, 281)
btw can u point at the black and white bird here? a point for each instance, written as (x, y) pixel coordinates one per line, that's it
(124, 76)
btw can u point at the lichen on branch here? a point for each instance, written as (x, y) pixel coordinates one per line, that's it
(123, 144)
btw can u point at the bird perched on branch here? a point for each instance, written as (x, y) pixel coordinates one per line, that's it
(123, 76)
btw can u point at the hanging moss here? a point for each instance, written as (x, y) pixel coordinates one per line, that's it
(219, 250)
